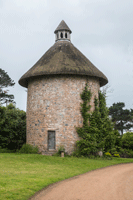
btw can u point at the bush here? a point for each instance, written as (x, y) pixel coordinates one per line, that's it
(28, 149)
(5, 150)
(61, 148)
(126, 153)
(117, 155)
(108, 155)
(127, 140)
(77, 153)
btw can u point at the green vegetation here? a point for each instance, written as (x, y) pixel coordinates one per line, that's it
(127, 140)
(28, 149)
(12, 127)
(5, 81)
(122, 118)
(22, 175)
(108, 155)
(97, 131)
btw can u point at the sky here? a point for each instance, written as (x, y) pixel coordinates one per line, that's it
(101, 29)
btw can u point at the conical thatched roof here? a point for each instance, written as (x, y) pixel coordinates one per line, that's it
(63, 58)
(62, 26)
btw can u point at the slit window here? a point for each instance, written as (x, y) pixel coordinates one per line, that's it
(61, 35)
(65, 35)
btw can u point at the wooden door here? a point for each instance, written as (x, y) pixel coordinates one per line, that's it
(51, 139)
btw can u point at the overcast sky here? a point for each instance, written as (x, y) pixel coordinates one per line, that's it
(101, 29)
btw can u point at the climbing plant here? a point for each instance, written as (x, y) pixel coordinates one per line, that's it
(97, 131)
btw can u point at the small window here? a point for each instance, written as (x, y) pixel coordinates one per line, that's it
(61, 35)
(65, 35)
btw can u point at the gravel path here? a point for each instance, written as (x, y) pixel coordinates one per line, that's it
(110, 183)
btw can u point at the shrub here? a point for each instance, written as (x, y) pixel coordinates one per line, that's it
(76, 153)
(61, 148)
(127, 140)
(28, 149)
(117, 155)
(108, 155)
(126, 153)
(5, 150)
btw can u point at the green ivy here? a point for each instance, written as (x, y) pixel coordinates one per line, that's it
(97, 131)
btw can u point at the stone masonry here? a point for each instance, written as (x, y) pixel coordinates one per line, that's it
(53, 104)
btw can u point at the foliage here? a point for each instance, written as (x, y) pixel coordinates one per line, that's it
(5, 150)
(28, 149)
(22, 175)
(61, 148)
(12, 127)
(108, 155)
(117, 155)
(87, 144)
(126, 153)
(127, 141)
(5, 81)
(97, 130)
(124, 145)
(122, 118)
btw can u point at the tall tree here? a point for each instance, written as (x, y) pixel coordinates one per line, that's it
(122, 118)
(12, 127)
(5, 81)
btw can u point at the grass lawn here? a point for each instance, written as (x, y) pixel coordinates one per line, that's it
(21, 175)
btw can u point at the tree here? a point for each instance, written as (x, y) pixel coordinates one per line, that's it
(5, 81)
(127, 140)
(122, 118)
(97, 130)
(12, 127)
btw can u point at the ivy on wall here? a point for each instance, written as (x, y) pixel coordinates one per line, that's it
(97, 131)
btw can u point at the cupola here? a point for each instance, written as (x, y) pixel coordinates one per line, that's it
(62, 32)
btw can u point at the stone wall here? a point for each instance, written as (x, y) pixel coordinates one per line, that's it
(54, 104)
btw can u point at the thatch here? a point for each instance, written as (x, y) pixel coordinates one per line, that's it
(62, 26)
(63, 59)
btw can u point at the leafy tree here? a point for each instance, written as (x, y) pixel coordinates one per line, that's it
(12, 127)
(122, 118)
(97, 130)
(5, 81)
(127, 141)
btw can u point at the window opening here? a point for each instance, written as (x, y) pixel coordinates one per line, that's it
(61, 35)
(65, 35)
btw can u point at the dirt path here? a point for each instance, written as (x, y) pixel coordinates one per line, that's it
(110, 183)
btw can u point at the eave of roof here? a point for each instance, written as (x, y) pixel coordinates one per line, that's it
(63, 58)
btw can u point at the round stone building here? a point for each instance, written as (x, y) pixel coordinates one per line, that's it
(54, 85)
